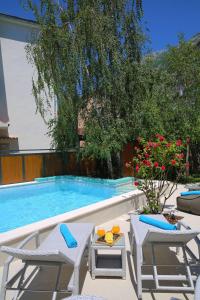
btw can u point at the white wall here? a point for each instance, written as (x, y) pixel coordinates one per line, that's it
(17, 74)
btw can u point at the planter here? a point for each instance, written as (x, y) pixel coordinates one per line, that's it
(172, 219)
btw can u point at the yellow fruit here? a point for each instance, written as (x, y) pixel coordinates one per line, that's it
(109, 237)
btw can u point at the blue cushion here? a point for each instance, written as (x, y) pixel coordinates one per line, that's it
(190, 193)
(157, 223)
(68, 237)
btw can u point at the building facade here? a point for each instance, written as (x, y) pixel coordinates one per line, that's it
(21, 126)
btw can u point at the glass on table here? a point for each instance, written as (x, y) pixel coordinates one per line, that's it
(100, 231)
(115, 229)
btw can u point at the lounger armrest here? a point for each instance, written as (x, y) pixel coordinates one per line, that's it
(182, 223)
(196, 239)
(23, 243)
(135, 234)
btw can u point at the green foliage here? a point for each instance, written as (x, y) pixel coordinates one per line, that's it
(108, 137)
(88, 58)
(189, 179)
(171, 93)
(87, 55)
(155, 160)
(183, 64)
(175, 86)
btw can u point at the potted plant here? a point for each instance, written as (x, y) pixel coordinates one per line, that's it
(158, 165)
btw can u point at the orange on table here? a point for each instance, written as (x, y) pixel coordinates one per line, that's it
(101, 232)
(115, 229)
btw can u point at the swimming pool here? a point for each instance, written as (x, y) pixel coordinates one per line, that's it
(47, 197)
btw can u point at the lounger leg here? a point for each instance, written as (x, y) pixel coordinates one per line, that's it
(189, 275)
(76, 281)
(20, 284)
(4, 280)
(139, 272)
(57, 282)
(89, 256)
(131, 237)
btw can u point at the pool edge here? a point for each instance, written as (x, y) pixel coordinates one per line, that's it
(109, 208)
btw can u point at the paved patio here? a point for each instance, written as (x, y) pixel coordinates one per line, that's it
(114, 288)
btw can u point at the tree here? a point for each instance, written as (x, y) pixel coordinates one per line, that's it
(170, 104)
(86, 56)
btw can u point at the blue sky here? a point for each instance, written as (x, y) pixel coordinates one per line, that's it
(164, 19)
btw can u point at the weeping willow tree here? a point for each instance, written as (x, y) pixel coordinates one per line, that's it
(86, 56)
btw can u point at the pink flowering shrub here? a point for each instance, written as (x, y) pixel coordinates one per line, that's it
(158, 160)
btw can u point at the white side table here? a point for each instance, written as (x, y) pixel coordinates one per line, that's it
(112, 260)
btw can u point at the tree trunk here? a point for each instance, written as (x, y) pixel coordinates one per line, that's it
(110, 166)
(187, 160)
(119, 164)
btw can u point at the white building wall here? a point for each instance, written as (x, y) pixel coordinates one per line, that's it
(17, 73)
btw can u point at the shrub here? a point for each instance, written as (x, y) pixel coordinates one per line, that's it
(154, 162)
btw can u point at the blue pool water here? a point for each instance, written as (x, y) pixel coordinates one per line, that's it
(22, 205)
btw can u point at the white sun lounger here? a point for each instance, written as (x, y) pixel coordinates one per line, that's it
(144, 234)
(197, 289)
(81, 297)
(53, 251)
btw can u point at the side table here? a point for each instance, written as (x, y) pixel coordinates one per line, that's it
(111, 261)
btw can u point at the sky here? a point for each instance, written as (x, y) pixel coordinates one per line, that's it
(165, 19)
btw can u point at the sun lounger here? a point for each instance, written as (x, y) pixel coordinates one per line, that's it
(197, 289)
(53, 251)
(80, 297)
(189, 203)
(144, 234)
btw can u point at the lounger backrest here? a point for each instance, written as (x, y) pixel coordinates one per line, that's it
(169, 236)
(36, 255)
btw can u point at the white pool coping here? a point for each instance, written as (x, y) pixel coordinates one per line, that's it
(11, 185)
(17, 234)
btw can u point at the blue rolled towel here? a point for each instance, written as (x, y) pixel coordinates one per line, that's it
(157, 223)
(68, 237)
(190, 193)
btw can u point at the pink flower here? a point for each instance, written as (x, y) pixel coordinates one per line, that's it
(163, 168)
(173, 162)
(148, 163)
(178, 143)
(136, 183)
(155, 145)
(150, 144)
(168, 145)
(137, 168)
(146, 155)
(161, 138)
(156, 164)
(128, 164)
(180, 156)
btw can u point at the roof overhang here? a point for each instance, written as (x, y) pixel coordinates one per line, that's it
(17, 20)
